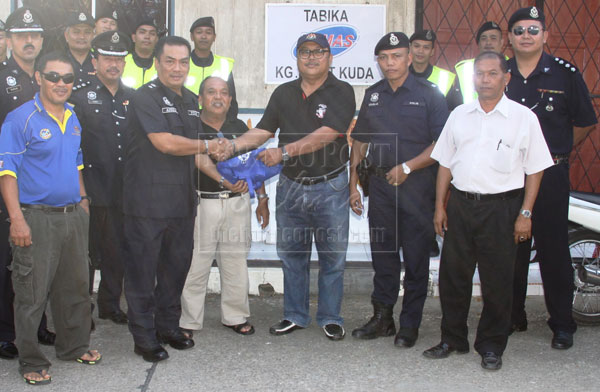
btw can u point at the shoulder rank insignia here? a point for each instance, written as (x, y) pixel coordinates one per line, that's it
(567, 65)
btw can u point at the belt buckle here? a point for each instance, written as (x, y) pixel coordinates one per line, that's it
(224, 195)
(65, 209)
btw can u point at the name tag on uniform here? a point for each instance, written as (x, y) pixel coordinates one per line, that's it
(169, 110)
(14, 89)
(95, 102)
(414, 103)
(194, 113)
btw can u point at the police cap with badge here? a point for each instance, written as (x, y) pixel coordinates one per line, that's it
(24, 20)
(77, 18)
(107, 12)
(205, 21)
(489, 25)
(394, 40)
(424, 35)
(527, 13)
(317, 38)
(111, 43)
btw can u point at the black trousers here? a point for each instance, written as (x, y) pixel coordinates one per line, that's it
(107, 247)
(402, 217)
(7, 295)
(550, 226)
(158, 257)
(480, 233)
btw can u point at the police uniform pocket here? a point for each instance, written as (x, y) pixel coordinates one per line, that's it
(502, 158)
(22, 275)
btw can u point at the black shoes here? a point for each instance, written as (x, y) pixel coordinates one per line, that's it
(381, 324)
(334, 331)
(442, 350)
(8, 350)
(175, 338)
(156, 354)
(562, 340)
(406, 337)
(46, 337)
(283, 327)
(491, 361)
(117, 317)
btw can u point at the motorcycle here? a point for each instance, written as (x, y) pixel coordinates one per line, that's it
(584, 246)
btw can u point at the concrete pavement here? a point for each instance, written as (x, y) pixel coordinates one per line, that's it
(307, 361)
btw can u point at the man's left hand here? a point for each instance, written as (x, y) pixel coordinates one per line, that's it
(262, 213)
(85, 204)
(396, 176)
(522, 229)
(270, 156)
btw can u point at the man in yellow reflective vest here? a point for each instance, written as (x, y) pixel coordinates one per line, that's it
(489, 37)
(422, 48)
(205, 63)
(139, 64)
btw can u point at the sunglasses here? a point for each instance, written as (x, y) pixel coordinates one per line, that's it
(54, 77)
(532, 30)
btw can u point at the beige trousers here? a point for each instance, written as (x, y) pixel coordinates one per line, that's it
(222, 233)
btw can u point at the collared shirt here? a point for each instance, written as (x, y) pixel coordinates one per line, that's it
(400, 124)
(491, 152)
(557, 94)
(16, 88)
(296, 115)
(83, 72)
(158, 185)
(43, 154)
(105, 122)
(230, 129)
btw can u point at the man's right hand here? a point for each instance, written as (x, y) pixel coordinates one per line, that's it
(440, 221)
(355, 201)
(20, 233)
(221, 150)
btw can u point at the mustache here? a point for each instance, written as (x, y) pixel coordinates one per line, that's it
(27, 46)
(112, 69)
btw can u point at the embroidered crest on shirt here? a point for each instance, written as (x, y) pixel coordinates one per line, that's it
(91, 95)
(45, 134)
(167, 102)
(11, 81)
(321, 110)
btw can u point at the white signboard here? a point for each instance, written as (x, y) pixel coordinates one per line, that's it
(352, 31)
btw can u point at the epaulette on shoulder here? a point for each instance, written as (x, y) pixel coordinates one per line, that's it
(568, 66)
(151, 85)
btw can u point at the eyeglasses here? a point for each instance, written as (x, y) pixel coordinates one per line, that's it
(54, 77)
(532, 30)
(317, 53)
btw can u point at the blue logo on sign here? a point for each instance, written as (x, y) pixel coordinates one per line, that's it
(341, 38)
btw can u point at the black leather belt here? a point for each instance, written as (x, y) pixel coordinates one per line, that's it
(319, 179)
(222, 195)
(45, 208)
(493, 196)
(560, 158)
(379, 171)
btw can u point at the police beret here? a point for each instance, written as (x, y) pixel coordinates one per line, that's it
(76, 18)
(111, 43)
(489, 25)
(424, 35)
(317, 38)
(107, 12)
(206, 21)
(145, 21)
(2, 26)
(24, 20)
(393, 40)
(527, 13)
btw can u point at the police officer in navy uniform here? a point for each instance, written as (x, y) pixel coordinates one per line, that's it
(103, 111)
(78, 35)
(554, 89)
(159, 201)
(401, 117)
(17, 86)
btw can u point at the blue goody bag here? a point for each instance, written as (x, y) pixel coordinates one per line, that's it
(248, 168)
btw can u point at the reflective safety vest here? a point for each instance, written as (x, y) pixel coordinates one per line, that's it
(465, 70)
(220, 67)
(134, 76)
(442, 78)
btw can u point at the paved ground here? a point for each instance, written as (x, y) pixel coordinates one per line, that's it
(306, 361)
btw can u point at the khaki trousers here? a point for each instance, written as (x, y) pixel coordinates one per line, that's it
(222, 233)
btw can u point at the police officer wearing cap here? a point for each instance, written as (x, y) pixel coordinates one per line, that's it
(489, 37)
(106, 20)
(2, 44)
(205, 63)
(139, 64)
(17, 86)
(102, 108)
(78, 35)
(554, 89)
(400, 118)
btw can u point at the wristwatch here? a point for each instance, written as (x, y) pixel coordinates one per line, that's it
(284, 154)
(405, 168)
(526, 213)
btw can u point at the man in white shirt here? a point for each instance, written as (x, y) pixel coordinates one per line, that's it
(488, 149)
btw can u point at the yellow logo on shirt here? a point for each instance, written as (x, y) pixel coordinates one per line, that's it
(45, 134)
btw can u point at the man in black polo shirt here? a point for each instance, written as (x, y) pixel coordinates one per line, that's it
(313, 114)
(159, 201)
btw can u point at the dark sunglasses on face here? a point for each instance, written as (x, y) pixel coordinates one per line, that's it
(54, 77)
(532, 30)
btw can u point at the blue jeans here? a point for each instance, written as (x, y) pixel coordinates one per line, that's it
(304, 211)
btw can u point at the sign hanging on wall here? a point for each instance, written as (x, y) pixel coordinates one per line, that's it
(351, 29)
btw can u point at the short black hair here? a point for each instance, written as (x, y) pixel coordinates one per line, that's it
(41, 63)
(203, 84)
(171, 40)
(489, 54)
